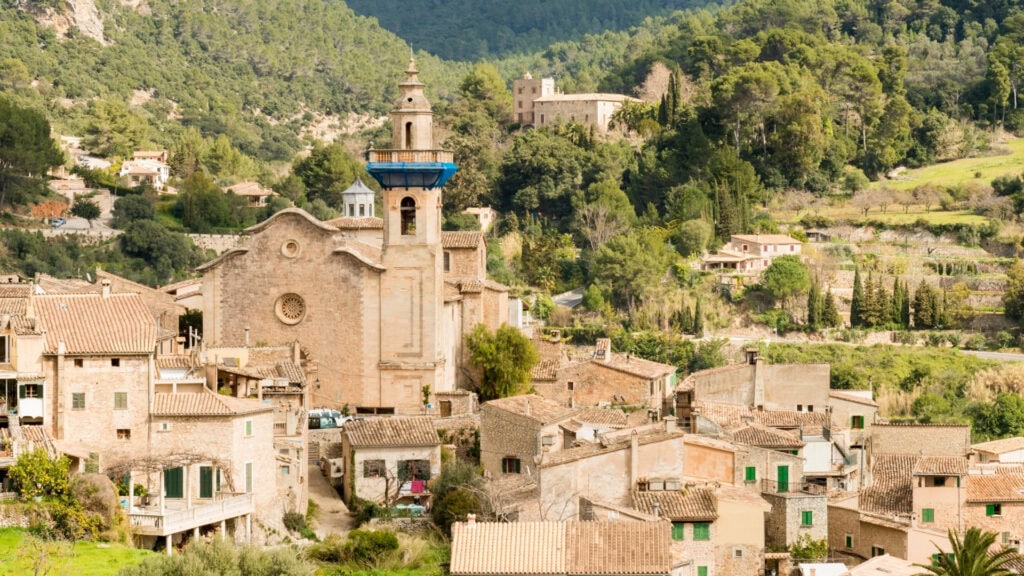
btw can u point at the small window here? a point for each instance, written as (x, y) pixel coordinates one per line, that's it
(447, 261)
(737, 552)
(750, 474)
(120, 400)
(362, 210)
(511, 465)
(408, 213)
(520, 89)
(571, 385)
(124, 434)
(541, 118)
(547, 441)
(993, 510)
(533, 90)
(78, 400)
(248, 427)
(79, 362)
(939, 481)
(678, 531)
(373, 469)
(164, 427)
(877, 551)
(248, 477)
(31, 391)
(702, 531)
(702, 571)
(5, 351)
(810, 407)
(807, 518)
(799, 407)
(849, 541)
(857, 422)
(928, 515)
(115, 362)
(1006, 538)
(285, 470)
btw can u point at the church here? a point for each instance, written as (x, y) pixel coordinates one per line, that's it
(379, 305)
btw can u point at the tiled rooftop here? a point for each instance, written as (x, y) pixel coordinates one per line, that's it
(732, 415)
(532, 406)
(995, 488)
(557, 548)
(386, 432)
(892, 490)
(611, 417)
(941, 466)
(765, 437)
(461, 239)
(205, 404)
(94, 324)
(357, 223)
(636, 366)
(1001, 446)
(690, 505)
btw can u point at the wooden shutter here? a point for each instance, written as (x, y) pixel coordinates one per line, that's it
(751, 474)
(174, 482)
(677, 531)
(206, 482)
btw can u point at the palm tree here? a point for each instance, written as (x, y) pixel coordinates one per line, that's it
(971, 556)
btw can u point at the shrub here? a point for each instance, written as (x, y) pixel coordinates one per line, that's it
(36, 474)
(330, 549)
(367, 546)
(294, 521)
(976, 342)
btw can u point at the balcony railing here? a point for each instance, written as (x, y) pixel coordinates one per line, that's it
(794, 488)
(151, 522)
(411, 156)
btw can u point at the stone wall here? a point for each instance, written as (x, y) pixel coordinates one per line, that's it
(593, 384)
(219, 243)
(784, 524)
(926, 439)
(1011, 519)
(504, 434)
(469, 262)
(766, 463)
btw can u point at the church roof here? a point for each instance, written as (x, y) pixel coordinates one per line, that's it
(357, 187)
(288, 212)
(461, 239)
(360, 223)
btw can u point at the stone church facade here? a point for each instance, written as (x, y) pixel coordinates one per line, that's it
(380, 305)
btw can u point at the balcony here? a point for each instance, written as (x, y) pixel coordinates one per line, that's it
(178, 517)
(411, 168)
(411, 156)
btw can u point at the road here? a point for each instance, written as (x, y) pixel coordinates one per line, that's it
(332, 516)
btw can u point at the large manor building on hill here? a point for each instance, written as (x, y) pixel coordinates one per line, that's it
(379, 305)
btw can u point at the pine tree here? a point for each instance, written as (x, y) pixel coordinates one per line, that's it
(698, 320)
(814, 305)
(857, 302)
(829, 312)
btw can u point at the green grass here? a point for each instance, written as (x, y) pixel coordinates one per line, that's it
(956, 172)
(87, 558)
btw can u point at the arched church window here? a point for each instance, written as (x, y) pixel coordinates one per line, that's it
(408, 211)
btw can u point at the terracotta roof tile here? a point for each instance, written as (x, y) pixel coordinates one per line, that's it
(292, 371)
(766, 238)
(94, 324)
(941, 466)
(205, 404)
(557, 548)
(730, 415)
(1001, 446)
(176, 361)
(995, 488)
(384, 432)
(357, 223)
(26, 326)
(546, 370)
(611, 417)
(636, 366)
(839, 395)
(18, 291)
(461, 239)
(765, 437)
(892, 488)
(691, 505)
(532, 406)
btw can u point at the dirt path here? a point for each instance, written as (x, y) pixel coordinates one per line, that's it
(332, 516)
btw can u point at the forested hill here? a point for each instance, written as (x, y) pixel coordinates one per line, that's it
(471, 30)
(250, 69)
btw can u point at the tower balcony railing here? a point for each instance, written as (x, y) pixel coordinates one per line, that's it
(411, 156)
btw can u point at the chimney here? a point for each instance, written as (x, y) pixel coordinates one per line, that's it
(656, 508)
(634, 458)
(471, 520)
(246, 335)
(527, 411)
(670, 423)
(106, 287)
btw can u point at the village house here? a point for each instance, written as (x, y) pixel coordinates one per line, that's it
(537, 103)
(750, 254)
(255, 193)
(603, 377)
(516, 431)
(884, 565)
(1005, 451)
(391, 461)
(295, 278)
(146, 169)
(23, 390)
(485, 215)
(562, 548)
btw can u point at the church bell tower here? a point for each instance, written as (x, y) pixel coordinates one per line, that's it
(411, 173)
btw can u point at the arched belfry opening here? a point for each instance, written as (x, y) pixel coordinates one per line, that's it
(408, 211)
(408, 136)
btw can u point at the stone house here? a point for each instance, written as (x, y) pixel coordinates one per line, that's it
(516, 432)
(524, 91)
(390, 460)
(23, 389)
(995, 503)
(254, 193)
(561, 549)
(486, 215)
(925, 439)
(751, 253)
(796, 511)
(1005, 451)
(604, 377)
(535, 102)
(296, 278)
(145, 171)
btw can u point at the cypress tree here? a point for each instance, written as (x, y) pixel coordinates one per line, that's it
(869, 310)
(924, 301)
(663, 112)
(857, 302)
(829, 312)
(814, 305)
(883, 302)
(897, 302)
(685, 320)
(698, 320)
(905, 307)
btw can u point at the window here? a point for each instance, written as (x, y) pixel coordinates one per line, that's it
(408, 135)
(939, 481)
(935, 558)
(164, 427)
(702, 531)
(248, 427)
(677, 531)
(928, 515)
(362, 210)
(547, 441)
(124, 434)
(351, 209)
(285, 470)
(79, 362)
(571, 385)
(807, 518)
(520, 104)
(520, 89)
(373, 468)
(413, 470)
(810, 407)
(737, 552)
(702, 571)
(541, 118)
(1006, 538)
(511, 465)
(30, 391)
(533, 90)
(5, 351)
(248, 477)
(447, 261)
(750, 474)
(115, 362)
(799, 407)
(857, 422)
(120, 400)
(78, 400)
(849, 541)
(993, 510)
(408, 213)
(877, 551)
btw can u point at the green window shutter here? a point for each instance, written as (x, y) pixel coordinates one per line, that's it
(990, 509)
(928, 515)
(751, 474)
(849, 541)
(248, 477)
(807, 518)
(935, 560)
(701, 531)
(205, 482)
(120, 400)
(248, 427)
(174, 482)
(702, 571)
(677, 531)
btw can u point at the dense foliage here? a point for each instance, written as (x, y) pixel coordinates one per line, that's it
(505, 357)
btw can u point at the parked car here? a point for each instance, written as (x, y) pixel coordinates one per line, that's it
(58, 222)
(322, 423)
(323, 418)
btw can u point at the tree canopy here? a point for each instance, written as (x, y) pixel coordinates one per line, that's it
(505, 358)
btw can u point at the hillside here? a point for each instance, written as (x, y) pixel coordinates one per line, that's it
(468, 30)
(255, 70)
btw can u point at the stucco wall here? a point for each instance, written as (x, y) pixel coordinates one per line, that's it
(705, 463)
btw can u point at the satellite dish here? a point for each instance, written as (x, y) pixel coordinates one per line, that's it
(431, 405)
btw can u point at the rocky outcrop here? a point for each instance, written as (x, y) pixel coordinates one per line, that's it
(81, 16)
